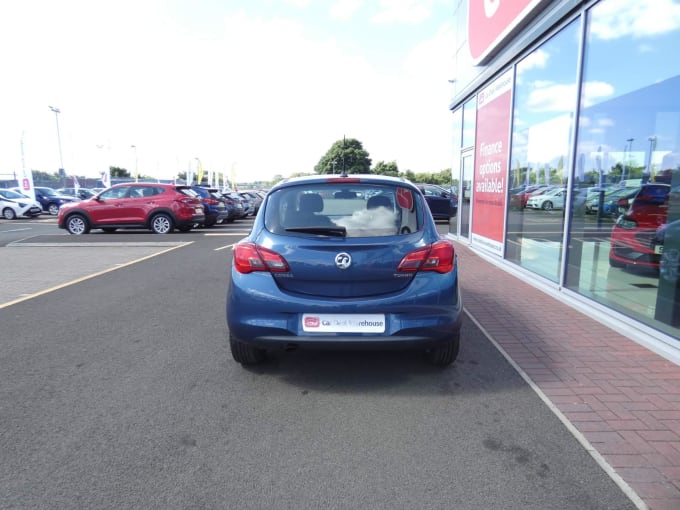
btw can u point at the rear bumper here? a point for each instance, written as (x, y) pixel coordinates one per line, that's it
(258, 313)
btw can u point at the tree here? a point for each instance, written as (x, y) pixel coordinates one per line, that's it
(383, 168)
(410, 175)
(346, 154)
(119, 172)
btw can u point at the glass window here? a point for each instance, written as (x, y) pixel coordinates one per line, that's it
(469, 122)
(351, 210)
(545, 97)
(118, 192)
(456, 163)
(626, 206)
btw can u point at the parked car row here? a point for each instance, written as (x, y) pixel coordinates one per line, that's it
(220, 206)
(15, 205)
(639, 234)
(161, 208)
(614, 201)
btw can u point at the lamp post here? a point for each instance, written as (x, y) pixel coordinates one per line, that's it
(136, 172)
(627, 149)
(62, 173)
(648, 164)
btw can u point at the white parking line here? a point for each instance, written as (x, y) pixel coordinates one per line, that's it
(26, 297)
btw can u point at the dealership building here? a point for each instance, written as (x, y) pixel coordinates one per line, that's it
(566, 153)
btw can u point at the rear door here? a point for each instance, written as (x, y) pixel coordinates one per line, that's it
(353, 249)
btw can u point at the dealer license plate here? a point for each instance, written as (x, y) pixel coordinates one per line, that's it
(343, 323)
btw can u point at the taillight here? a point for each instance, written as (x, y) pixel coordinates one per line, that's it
(435, 257)
(249, 257)
(210, 201)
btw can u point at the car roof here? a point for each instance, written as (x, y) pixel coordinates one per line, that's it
(339, 178)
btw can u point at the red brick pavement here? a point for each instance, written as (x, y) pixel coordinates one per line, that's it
(619, 398)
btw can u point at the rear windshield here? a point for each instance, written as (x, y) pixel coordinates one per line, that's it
(349, 210)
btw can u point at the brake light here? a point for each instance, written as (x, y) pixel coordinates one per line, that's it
(437, 257)
(249, 257)
(343, 180)
(210, 201)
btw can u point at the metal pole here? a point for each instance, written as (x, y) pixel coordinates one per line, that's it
(136, 171)
(57, 111)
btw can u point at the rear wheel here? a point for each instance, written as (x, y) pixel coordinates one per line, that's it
(53, 209)
(161, 224)
(76, 224)
(244, 353)
(8, 213)
(446, 353)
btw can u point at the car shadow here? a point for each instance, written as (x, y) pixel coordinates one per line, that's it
(479, 368)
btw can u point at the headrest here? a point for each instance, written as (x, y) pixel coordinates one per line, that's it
(311, 203)
(378, 201)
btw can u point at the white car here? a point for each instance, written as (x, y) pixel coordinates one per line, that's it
(553, 199)
(14, 205)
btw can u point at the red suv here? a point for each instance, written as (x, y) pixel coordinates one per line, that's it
(158, 207)
(633, 236)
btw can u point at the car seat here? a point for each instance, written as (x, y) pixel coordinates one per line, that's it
(378, 201)
(310, 205)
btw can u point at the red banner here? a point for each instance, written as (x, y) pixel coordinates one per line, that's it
(489, 197)
(490, 21)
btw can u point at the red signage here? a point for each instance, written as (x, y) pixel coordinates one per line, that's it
(490, 21)
(405, 198)
(494, 108)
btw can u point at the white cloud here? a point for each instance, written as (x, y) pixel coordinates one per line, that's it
(403, 11)
(553, 98)
(594, 91)
(626, 18)
(345, 9)
(264, 96)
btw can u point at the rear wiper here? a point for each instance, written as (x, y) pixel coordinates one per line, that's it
(323, 231)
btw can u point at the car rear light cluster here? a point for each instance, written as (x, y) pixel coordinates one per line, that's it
(437, 257)
(211, 201)
(249, 257)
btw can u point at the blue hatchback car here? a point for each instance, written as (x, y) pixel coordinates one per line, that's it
(344, 261)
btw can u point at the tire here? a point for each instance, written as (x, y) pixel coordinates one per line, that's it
(547, 205)
(161, 223)
(245, 354)
(77, 224)
(616, 263)
(445, 354)
(9, 214)
(109, 230)
(53, 209)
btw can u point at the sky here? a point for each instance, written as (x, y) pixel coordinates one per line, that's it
(251, 88)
